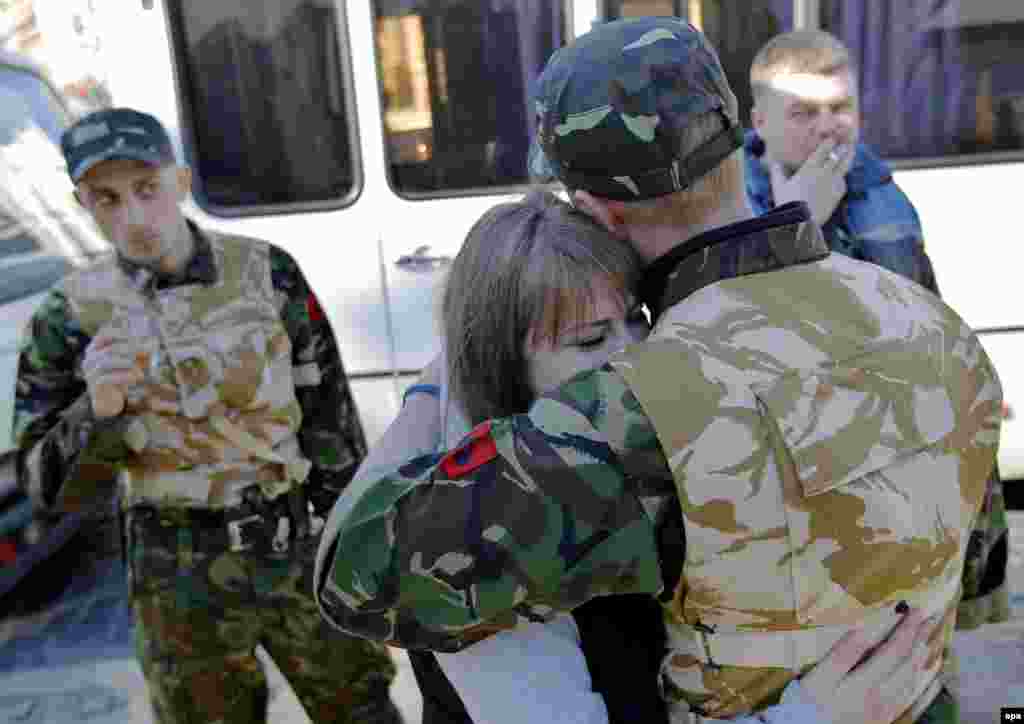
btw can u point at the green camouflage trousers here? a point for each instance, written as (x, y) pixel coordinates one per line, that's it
(944, 710)
(200, 610)
(986, 594)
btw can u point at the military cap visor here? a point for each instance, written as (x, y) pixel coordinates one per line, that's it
(611, 109)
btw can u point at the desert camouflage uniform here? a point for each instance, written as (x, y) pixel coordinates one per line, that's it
(824, 427)
(263, 400)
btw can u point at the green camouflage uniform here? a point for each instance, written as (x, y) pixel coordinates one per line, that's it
(803, 441)
(245, 413)
(986, 591)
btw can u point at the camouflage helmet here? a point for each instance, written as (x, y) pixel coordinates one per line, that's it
(611, 108)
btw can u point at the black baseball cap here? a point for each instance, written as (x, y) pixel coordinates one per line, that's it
(115, 133)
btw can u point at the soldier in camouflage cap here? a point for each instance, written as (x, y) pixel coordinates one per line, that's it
(613, 108)
(800, 445)
(197, 370)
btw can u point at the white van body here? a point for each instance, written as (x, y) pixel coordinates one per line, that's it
(376, 261)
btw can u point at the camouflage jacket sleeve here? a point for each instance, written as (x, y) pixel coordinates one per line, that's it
(54, 425)
(331, 435)
(885, 229)
(527, 516)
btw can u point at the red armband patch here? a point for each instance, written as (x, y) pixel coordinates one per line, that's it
(477, 451)
(8, 553)
(316, 314)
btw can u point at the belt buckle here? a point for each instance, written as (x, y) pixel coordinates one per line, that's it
(236, 533)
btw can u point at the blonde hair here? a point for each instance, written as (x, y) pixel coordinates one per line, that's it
(526, 268)
(694, 204)
(800, 51)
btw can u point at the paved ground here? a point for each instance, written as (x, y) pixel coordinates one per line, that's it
(72, 661)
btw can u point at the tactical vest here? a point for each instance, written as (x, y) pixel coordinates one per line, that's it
(830, 427)
(217, 412)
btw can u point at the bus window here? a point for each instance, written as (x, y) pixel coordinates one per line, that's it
(615, 9)
(737, 29)
(942, 82)
(455, 78)
(262, 85)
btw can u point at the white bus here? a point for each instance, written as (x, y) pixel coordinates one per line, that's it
(365, 137)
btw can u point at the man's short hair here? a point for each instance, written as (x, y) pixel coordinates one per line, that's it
(800, 51)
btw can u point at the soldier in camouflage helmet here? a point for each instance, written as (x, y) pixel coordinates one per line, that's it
(822, 428)
(197, 370)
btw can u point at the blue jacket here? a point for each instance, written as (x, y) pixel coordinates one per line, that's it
(874, 222)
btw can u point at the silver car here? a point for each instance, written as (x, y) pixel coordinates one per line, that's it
(43, 235)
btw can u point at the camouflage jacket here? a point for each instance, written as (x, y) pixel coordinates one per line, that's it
(874, 222)
(831, 427)
(530, 514)
(57, 434)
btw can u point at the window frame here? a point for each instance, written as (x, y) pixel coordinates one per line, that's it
(810, 15)
(680, 8)
(568, 31)
(183, 84)
(807, 16)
